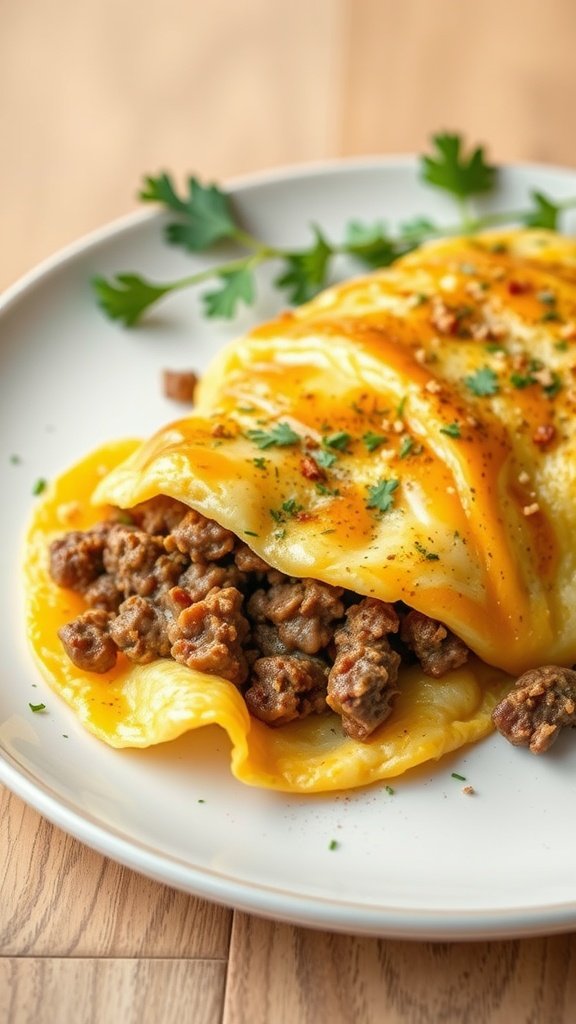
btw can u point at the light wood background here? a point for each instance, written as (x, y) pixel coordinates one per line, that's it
(92, 95)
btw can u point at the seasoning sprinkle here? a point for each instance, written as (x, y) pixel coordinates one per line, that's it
(461, 778)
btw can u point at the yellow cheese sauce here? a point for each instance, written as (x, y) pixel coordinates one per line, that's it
(409, 436)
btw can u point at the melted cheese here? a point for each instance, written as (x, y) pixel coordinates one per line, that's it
(385, 379)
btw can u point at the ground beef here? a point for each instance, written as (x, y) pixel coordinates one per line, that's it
(140, 630)
(158, 515)
(76, 559)
(362, 680)
(303, 610)
(438, 649)
(203, 540)
(266, 639)
(285, 688)
(248, 561)
(208, 636)
(103, 593)
(87, 642)
(201, 577)
(162, 580)
(130, 556)
(532, 714)
(180, 385)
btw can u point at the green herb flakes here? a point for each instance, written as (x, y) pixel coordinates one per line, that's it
(280, 436)
(381, 495)
(451, 429)
(39, 486)
(37, 708)
(483, 382)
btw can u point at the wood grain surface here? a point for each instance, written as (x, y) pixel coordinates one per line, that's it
(91, 97)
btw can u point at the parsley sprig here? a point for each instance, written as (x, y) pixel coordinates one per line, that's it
(204, 217)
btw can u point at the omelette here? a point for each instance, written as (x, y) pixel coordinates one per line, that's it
(356, 544)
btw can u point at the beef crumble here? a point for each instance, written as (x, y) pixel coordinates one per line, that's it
(162, 581)
(541, 703)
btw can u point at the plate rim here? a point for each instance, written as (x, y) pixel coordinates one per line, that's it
(473, 924)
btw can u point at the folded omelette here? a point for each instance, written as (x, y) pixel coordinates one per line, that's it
(383, 484)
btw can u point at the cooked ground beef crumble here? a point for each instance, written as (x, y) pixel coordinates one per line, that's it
(163, 581)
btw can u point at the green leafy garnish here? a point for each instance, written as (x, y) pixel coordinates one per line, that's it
(461, 778)
(461, 175)
(39, 486)
(37, 707)
(381, 495)
(483, 382)
(205, 212)
(406, 447)
(203, 216)
(544, 214)
(451, 429)
(333, 844)
(339, 440)
(324, 459)
(373, 441)
(280, 436)
(306, 271)
(430, 556)
(237, 287)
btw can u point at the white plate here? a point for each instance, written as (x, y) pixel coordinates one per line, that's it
(426, 862)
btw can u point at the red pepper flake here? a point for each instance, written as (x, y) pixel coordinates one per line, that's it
(310, 468)
(518, 287)
(544, 434)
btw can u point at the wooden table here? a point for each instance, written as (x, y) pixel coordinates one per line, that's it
(92, 96)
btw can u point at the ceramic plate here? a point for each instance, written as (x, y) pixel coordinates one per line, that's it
(427, 861)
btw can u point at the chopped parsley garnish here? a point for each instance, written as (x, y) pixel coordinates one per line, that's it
(280, 436)
(37, 707)
(430, 556)
(461, 778)
(260, 462)
(250, 533)
(327, 491)
(550, 315)
(548, 298)
(373, 441)
(400, 407)
(324, 459)
(288, 509)
(389, 790)
(561, 346)
(521, 380)
(340, 440)
(552, 389)
(451, 429)
(40, 486)
(381, 495)
(333, 844)
(406, 447)
(483, 382)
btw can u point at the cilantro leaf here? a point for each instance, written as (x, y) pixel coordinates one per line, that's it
(280, 436)
(206, 212)
(451, 170)
(483, 382)
(381, 495)
(238, 286)
(305, 272)
(127, 296)
(544, 214)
